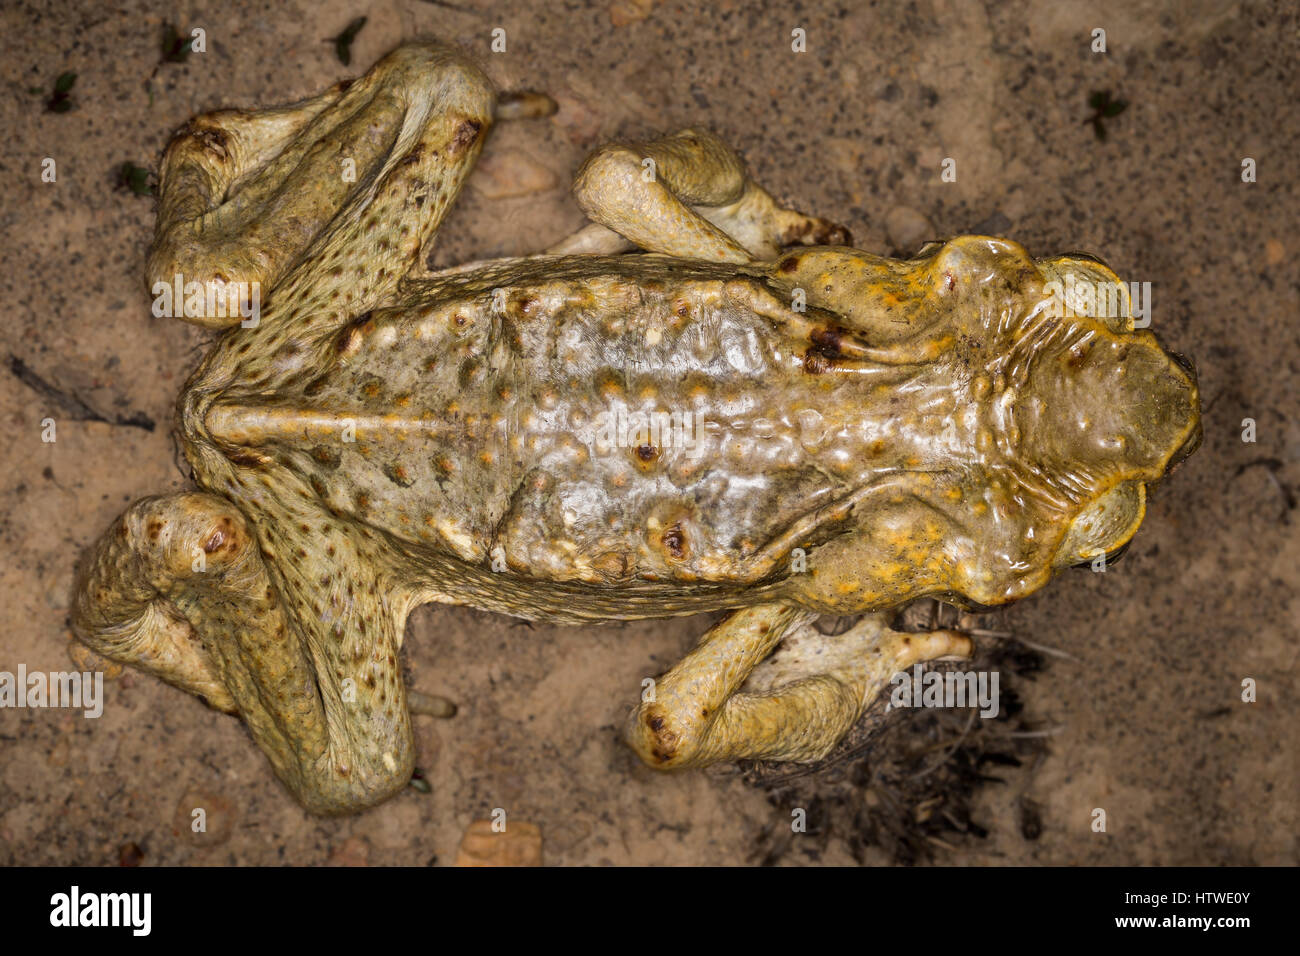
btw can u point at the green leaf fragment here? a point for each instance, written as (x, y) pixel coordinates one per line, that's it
(135, 178)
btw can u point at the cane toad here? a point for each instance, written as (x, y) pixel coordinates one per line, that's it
(701, 401)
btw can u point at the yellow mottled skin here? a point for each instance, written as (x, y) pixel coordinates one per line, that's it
(744, 413)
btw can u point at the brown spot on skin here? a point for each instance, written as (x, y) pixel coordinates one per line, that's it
(824, 351)
(351, 335)
(398, 475)
(795, 232)
(675, 541)
(154, 529)
(465, 134)
(827, 341)
(329, 456)
(647, 453)
(663, 747)
(814, 363)
(413, 156)
(790, 264)
(217, 538)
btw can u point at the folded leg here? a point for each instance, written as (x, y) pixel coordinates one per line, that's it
(721, 703)
(180, 588)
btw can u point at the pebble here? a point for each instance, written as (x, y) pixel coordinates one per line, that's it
(519, 845)
(623, 12)
(354, 851)
(502, 175)
(907, 229)
(218, 817)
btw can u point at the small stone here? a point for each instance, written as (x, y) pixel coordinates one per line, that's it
(520, 844)
(1274, 252)
(623, 12)
(354, 851)
(130, 854)
(907, 229)
(204, 818)
(995, 225)
(502, 175)
(568, 834)
(577, 118)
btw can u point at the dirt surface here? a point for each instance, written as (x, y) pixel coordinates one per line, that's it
(1144, 718)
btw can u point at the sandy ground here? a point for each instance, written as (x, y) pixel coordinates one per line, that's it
(1147, 714)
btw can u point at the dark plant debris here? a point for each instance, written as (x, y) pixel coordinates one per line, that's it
(176, 47)
(60, 101)
(343, 42)
(1103, 108)
(69, 406)
(906, 782)
(134, 178)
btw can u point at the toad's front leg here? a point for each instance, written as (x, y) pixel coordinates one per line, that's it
(686, 195)
(179, 587)
(720, 703)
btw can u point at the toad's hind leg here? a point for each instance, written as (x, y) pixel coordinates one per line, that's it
(685, 195)
(335, 197)
(721, 703)
(179, 588)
